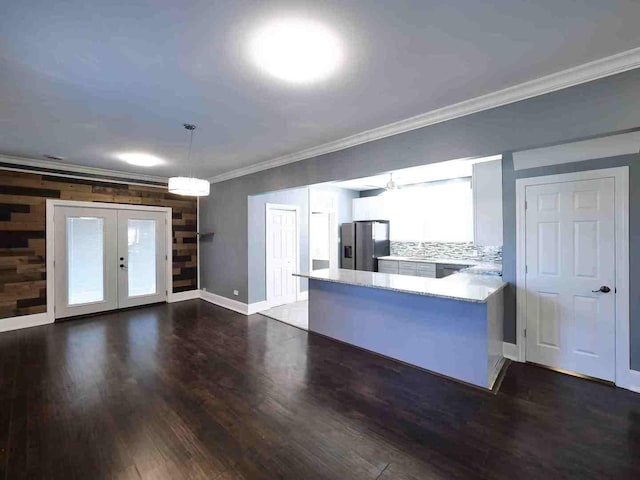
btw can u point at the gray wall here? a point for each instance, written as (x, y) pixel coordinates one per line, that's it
(509, 177)
(256, 228)
(602, 107)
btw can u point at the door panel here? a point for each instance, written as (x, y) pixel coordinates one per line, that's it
(282, 255)
(570, 254)
(85, 255)
(347, 242)
(141, 258)
(364, 246)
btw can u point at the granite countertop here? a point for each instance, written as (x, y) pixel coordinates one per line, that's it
(484, 269)
(448, 261)
(466, 287)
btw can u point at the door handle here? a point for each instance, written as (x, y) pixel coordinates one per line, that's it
(602, 289)
(122, 265)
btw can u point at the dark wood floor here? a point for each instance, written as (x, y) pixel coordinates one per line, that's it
(194, 391)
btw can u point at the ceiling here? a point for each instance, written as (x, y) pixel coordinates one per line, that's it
(415, 175)
(85, 79)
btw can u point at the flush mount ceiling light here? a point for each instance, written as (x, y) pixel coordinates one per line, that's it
(296, 50)
(140, 159)
(189, 186)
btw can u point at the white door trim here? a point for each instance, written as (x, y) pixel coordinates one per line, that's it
(621, 178)
(280, 206)
(50, 240)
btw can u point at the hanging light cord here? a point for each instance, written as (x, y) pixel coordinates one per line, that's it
(191, 128)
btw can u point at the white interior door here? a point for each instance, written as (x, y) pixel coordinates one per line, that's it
(141, 257)
(282, 254)
(85, 267)
(107, 259)
(570, 255)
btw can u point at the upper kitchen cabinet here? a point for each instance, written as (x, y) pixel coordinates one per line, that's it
(370, 208)
(487, 203)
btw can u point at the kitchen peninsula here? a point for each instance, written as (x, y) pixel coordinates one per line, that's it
(451, 326)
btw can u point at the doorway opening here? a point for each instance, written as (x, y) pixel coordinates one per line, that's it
(282, 247)
(282, 253)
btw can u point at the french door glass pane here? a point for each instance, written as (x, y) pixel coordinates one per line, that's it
(85, 258)
(141, 235)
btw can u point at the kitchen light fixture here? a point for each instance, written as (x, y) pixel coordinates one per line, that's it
(189, 186)
(391, 186)
(296, 50)
(140, 159)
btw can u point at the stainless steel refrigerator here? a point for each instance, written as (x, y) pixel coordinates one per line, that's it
(362, 243)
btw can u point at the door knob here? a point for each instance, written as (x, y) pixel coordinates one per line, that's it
(602, 289)
(122, 265)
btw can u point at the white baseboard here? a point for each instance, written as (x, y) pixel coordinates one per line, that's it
(510, 351)
(257, 307)
(225, 302)
(182, 296)
(24, 321)
(495, 371)
(235, 305)
(634, 381)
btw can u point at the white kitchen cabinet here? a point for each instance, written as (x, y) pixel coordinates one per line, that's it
(487, 203)
(370, 208)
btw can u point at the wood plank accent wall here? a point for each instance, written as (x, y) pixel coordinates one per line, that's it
(22, 232)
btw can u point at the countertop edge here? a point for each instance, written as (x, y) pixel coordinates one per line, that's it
(497, 290)
(409, 292)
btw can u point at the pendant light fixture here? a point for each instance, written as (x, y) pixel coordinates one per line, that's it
(391, 186)
(189, 186)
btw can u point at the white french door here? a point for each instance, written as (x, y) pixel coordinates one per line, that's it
(570, 276)
(141, 258)
(85, 260)
(281, 254)
(108, 258)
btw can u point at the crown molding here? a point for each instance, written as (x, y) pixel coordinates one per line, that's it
(34, 165)
(604, 67)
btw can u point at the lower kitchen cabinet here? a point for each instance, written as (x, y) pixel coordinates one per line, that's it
(388, 266)
(416, 269)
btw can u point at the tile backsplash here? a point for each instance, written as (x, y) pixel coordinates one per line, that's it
(453, 250)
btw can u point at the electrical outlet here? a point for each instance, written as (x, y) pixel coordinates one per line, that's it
(235, 292)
